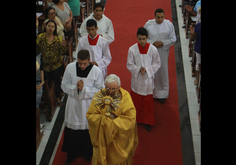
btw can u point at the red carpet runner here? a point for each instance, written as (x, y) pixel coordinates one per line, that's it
(162, 145)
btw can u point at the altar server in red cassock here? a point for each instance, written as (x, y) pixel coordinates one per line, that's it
(143, 61)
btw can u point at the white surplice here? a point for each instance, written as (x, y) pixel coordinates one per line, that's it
(99, 53)
(143, 84)
(78, 102)
(105, 27)
(164, 32)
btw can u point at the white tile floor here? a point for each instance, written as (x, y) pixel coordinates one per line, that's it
(191, 94)
(190, 87)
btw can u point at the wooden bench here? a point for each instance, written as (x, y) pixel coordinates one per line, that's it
(48, 100)
(39, 135)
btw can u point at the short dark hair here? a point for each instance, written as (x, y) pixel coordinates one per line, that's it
(83, 54)
(47, 10)
(159, 10)
(91, 22)
(56, 1)
(55, 30)
(142, 31)
(98, 5)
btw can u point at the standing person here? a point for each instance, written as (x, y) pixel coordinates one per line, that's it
(105, 26)
(112, 125)
(75, 8)
(143, 61)
(196, 34)
(52, 47)
(162, 35)
(50, 14)
(81, 81)
(64, 12)
(98, 47)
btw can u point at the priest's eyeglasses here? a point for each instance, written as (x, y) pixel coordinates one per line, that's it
(112, 89)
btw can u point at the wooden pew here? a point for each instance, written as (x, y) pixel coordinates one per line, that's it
(39, 135)
(75, 36)
(191, 43)
(188, 22)
(85, 4)
(48, 100)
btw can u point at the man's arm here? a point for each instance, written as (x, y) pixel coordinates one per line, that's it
(106, 57)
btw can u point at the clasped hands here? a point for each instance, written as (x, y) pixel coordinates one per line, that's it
(142, 70)
(158, 44)
(80, 85)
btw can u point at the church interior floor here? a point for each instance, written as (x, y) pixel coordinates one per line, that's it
(193, 105)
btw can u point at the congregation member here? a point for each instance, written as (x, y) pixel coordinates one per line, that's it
(75, 8)
(81, 81)
(105, 26)
(162, 35)
(143, 62)
(51, 46)
(195, 11)
(50, 14)
(112, 125)
(64, 12)
(196, 34)
(98, 47)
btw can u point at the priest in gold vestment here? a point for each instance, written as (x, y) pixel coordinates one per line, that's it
(112, 125)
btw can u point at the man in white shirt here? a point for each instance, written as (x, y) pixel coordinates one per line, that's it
(97, 46)
(143, 61)
(105, 26)
(81, 81)
(162, 35)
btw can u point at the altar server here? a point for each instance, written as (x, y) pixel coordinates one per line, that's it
(143, 61)
(162, 35)
(97, 46)
(81, 81)
(105, 26)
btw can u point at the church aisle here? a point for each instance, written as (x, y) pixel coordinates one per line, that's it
(163, 143)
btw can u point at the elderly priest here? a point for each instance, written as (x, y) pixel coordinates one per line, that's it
(112, 125)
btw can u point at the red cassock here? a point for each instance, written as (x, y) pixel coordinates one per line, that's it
(144, 108)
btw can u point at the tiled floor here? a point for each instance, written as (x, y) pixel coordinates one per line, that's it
(191, 88)
(191, 95)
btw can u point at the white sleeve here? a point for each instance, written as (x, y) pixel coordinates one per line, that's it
(106, 57)
(171, 39)
(82, 30)
(131, 66)
(66, 83)
(155, 65)
(109, 35)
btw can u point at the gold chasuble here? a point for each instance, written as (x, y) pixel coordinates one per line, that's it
(112, 128)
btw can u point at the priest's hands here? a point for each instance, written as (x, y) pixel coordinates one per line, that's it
(158, 44)
(142, 70)
(80, 85)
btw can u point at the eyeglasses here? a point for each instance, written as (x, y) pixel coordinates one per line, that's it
(112, 89)
(51, 13)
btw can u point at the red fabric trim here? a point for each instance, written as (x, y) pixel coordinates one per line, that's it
(144, 108)
(93, 41)
(143, 50)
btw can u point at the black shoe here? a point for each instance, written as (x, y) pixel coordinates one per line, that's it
(147, 127)
(162, 101)
(87, 158)
(69, 161)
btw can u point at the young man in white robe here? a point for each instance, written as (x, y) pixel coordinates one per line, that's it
(81, 81)
(162, 35)
(97, 46)
(143, 62)
(105, 26)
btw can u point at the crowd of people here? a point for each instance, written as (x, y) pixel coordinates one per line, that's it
(100, 115)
